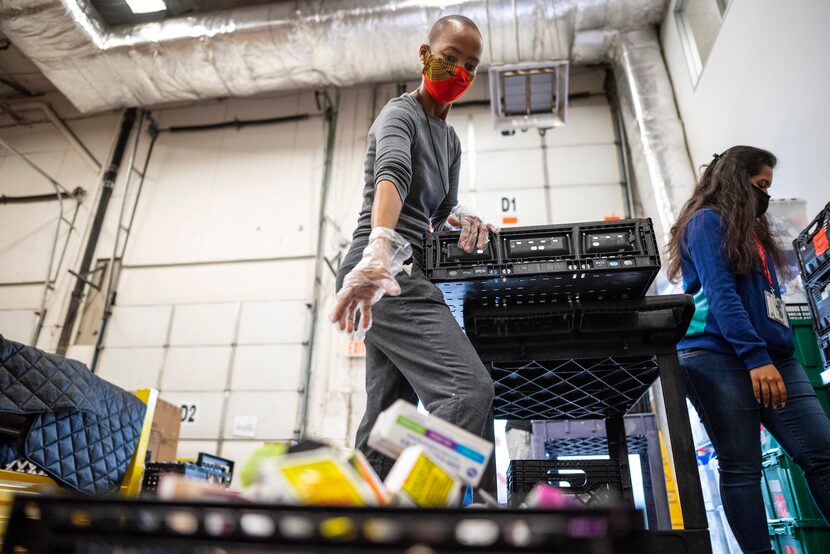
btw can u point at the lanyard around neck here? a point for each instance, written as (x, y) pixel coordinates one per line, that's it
(763, 255)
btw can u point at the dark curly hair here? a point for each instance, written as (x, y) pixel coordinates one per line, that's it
(724, 187)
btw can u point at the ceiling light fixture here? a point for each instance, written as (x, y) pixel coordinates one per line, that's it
(529, 95)
(146, 6)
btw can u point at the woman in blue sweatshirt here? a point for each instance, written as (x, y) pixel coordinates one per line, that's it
(738, 351)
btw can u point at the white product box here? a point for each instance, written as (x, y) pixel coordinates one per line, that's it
(402, 426)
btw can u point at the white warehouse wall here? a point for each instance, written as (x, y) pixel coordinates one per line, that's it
(216, 282)
(765, 84)
(27, 230)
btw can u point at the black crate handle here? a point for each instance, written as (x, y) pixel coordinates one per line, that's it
(576, 478)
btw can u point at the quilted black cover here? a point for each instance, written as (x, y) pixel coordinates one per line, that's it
(84, 430)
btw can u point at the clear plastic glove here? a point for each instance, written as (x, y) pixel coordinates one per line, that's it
(370, 279)
(475, 232)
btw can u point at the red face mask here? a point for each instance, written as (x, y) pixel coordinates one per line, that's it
(445, 81)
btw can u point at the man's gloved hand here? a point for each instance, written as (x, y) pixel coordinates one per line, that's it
(475, 232)
(370, 279)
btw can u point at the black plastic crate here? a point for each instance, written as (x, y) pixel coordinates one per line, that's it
(212, 469)
(591, 446)
(529, 331)
(818, 297)
(592, 482)
(824, 349)
(525, 265)
(52, 524)
(587, 388)
(811, 246)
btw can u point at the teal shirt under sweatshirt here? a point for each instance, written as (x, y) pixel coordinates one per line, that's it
(730, 310)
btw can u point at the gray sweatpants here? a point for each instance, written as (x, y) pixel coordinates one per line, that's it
(416, 350)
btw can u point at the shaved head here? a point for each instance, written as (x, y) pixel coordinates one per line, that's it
(454, 22)
(454, 43)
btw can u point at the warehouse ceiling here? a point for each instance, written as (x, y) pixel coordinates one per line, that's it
(19, 77)
(250, 49)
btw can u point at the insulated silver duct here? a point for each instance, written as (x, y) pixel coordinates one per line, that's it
(286, 45)
(656, 139)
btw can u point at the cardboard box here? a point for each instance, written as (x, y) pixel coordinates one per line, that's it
(317, 477)
(164, 434)
(417, 479)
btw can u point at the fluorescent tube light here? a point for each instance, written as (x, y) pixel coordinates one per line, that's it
(146, 6)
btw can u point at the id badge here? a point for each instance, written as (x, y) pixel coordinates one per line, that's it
(776, 309)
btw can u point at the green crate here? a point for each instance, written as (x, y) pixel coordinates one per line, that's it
(785, 489)
(806, 349)
(768, 442)
(799, 536)
(823, 399)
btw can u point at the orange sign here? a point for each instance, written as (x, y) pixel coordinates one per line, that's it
(356, 349)
(509, 220)
(820, 242)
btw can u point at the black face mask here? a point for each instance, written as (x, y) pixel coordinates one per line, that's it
(761, 201)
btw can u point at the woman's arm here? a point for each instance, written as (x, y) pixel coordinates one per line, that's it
(383, 258)
(386, 250)
(386, 208)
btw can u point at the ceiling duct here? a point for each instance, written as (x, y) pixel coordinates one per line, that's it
(288, 45)
(300, 45)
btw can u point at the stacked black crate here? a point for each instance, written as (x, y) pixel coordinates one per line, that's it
(795, 522)
(813, 250)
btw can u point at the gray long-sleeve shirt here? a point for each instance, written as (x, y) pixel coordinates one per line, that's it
(399, 151)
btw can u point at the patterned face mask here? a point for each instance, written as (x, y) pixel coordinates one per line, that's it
(445, 81)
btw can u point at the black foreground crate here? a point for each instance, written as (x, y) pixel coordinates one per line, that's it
(68, 525)
(541, 264)
(584, 388)
(584, 327)
(592, 482)
(811, 246)
(207, 467)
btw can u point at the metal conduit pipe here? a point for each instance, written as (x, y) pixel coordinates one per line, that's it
(236, 124)
(108, 184)
(32, 198)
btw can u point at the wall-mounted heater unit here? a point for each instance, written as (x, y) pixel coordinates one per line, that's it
(529, 95)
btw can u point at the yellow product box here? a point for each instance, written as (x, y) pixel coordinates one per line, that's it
(417, 479)
(320, 477)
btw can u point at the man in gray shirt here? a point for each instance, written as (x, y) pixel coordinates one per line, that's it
(414, 347)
